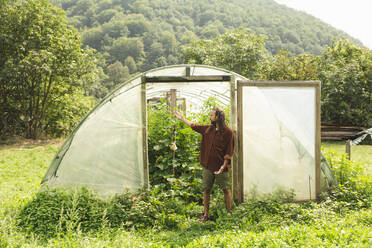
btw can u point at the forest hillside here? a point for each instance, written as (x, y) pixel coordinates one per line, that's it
(143, 34)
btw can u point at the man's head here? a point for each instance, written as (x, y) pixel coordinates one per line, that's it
(217, 117)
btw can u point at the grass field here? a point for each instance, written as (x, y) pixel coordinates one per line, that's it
(256, 224)
(359, 153)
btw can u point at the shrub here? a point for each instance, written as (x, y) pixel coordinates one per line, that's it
(56, 211)
(355, 184)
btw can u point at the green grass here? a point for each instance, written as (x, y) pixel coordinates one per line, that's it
(359, 153)
(329, 223)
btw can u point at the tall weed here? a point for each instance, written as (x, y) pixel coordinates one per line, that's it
(355, 183)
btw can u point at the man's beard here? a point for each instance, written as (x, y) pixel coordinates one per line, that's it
(214, 123)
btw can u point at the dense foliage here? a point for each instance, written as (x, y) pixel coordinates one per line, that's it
(59, 218)
(178, 172)
(138, 35)
(240, 51)
(55, 213)
(346, 75)
(174, 200)
(43, 70)
(345, 71)
(46, 76)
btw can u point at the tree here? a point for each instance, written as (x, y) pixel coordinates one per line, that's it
(124, 47)
(238, 50)
(138, 27)
(115, 28)
(106, 15)
(131, 64)
(169, 42)
(285, 67)
(40, 59)
(93, 37)
(117, 73)
(188, 37)
(345, 71)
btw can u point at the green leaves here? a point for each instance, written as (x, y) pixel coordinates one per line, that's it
(41, 61)
(284, 67)
(355, 184)
(168, 169)
(346, 75)
(343, 69)
(160, 218)
(239, 50)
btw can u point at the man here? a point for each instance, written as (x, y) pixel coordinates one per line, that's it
(216, 151)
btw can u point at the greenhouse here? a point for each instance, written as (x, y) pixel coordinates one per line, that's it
(276, 126)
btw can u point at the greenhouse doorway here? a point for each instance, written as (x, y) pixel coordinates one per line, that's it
(187, 94)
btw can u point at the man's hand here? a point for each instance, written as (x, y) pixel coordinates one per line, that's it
(178, 115)
(220, 170)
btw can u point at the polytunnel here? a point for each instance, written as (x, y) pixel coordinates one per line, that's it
(276, 127)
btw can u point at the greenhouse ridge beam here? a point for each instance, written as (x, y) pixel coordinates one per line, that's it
(167, 79)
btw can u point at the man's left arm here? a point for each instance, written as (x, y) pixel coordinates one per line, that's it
(228, 154)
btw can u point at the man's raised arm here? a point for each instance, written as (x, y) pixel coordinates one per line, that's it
(182, 118)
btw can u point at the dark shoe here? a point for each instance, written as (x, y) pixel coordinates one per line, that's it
(203, 219)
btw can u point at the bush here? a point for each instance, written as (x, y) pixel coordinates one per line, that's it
(355, 184)
(58, 211)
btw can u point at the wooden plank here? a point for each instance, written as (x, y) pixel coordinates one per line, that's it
(146, 180)
(240, 182)
(338, 133)
(172, 99)
(341, 128)
(235, 159)
(167, 79)
(279, 83)
(332, 139)
(317, 140)
(348, 149)
(188, 71)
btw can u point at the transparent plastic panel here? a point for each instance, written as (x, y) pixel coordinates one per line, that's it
(195, 70)
(131, 84)
(176, 71)
(205, 71)
(195, 94)
(106, 152)
(279, 140)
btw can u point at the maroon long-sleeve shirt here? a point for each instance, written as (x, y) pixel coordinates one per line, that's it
(215, 146)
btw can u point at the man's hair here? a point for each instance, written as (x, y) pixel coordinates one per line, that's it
(220, 119)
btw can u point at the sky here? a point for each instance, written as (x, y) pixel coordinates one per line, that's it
(354, 17)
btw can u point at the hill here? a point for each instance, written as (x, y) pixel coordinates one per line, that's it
(144, 34)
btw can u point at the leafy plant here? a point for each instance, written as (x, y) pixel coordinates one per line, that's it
(345, 72)
(41, 61)
(355, 184)
(179, 171)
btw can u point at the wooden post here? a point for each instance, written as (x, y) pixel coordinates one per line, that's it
(233, 123)
(172, 99)
(348, 149)
(317, 138)
(188, 70)
(240, 179)
(146, 180)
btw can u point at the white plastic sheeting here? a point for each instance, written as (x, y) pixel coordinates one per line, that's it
(279, 140)
(106, 151)
(194, 93)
